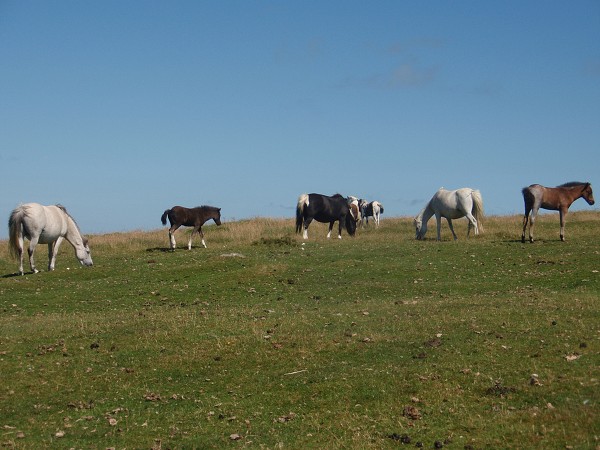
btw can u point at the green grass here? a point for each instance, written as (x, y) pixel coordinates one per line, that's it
(286, 343)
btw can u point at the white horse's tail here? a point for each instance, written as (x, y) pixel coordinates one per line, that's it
(478, 209)
(302, 203)
(15, 231)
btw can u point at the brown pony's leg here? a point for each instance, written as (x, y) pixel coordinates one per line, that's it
(528, 209)
(563, 215)
(525, 220)
(194, 230)
(529, 200)
(201, 236)
(532, 219)
(172, 231)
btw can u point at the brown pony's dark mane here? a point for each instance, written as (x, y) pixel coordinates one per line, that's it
(212, 208)
(572, 184)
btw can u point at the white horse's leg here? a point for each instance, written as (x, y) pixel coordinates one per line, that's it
(472, 224)
(451, 228)
(20, 244)
(52, 252)
(31, 251)
(438, 220)
(305, 233)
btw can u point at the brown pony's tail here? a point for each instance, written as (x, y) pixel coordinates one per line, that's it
(163, 218)
(478, 209)
(15, 226)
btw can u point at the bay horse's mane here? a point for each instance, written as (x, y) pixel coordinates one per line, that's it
(572, 184)
(214, 208)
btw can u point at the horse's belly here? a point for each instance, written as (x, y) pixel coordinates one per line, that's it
(550, 206)
(325, 218)
(50, 234)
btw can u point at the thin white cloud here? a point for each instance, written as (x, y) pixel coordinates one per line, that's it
(591, 68)
(422, 43)
(403, 76)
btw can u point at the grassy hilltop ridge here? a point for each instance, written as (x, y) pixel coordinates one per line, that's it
(264, 340)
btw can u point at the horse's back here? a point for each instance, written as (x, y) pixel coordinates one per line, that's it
(324, 208)
(45, 222)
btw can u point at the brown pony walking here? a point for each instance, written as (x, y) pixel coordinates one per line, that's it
(558, 198)
(190, 217)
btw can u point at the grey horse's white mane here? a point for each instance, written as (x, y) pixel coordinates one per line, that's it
(64, 209)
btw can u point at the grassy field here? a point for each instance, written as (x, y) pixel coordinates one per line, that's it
(264, 340)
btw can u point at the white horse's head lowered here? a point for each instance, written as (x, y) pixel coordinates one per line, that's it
(420, 230)
(45, 225)
(83, 253)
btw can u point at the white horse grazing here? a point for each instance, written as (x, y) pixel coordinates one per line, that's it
(452, 205)
(45, 225)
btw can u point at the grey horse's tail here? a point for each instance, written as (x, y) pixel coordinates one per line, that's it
(163, 218)
(15, 229)
(478, 209)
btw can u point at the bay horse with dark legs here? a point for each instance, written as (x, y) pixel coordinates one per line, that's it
(190, 217)
(324, 209)
(558, 199)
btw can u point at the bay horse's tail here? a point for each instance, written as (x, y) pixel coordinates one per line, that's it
(15, 231)
(302, 203)
(478, 209)
(163, 218)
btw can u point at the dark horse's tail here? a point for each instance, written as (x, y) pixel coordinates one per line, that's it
(302, 203)
(163, 218)
(350, 224)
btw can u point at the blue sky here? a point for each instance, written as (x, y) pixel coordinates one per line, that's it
(121, 109)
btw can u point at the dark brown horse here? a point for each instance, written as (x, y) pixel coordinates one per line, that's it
(559, 199)
(190, 217)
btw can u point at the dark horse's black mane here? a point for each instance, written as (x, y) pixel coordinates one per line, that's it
(212, 208)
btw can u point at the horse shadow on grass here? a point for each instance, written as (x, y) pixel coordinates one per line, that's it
(14, 274)
(159, 249)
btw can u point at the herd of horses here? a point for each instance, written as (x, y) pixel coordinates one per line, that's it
(52, 224)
